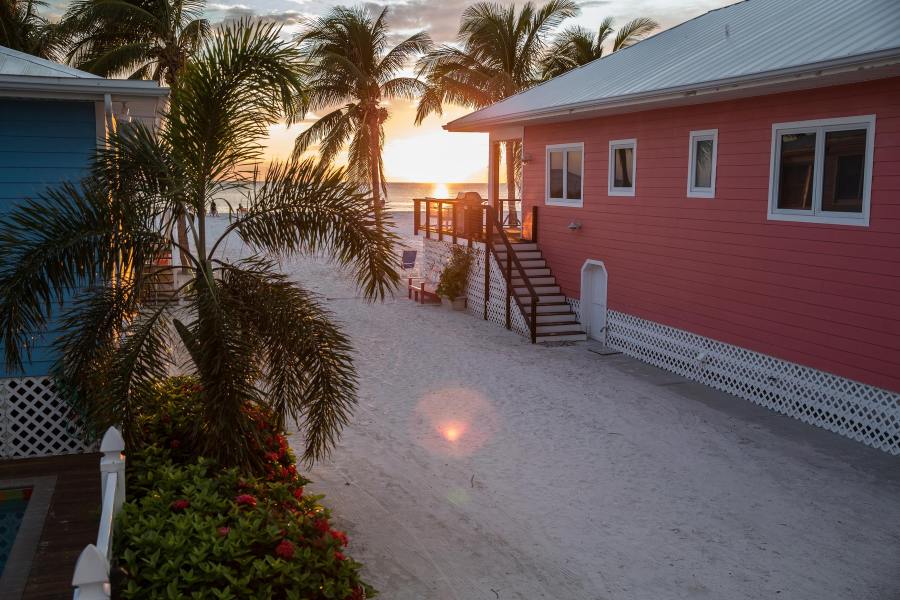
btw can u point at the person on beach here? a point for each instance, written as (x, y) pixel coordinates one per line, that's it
(213, 211)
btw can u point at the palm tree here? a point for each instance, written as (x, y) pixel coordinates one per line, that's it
(140, 39)
(257, 342)
(355, 73)
(23, 29)
(498, 54)
(578, 46)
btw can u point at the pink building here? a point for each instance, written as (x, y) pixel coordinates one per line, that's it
(723, 200)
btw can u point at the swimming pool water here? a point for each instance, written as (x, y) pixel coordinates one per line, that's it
(12, 510)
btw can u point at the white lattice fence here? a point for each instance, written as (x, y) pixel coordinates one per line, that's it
(35, 421)
(862, 412)
(436, 254)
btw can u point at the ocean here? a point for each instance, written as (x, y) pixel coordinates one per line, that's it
(399, 194)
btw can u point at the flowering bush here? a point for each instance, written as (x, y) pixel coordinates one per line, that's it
(192, 529)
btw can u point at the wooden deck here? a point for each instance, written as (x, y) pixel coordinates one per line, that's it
(71, 522)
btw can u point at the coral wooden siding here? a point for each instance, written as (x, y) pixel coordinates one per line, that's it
(42, 143)
(826, 296)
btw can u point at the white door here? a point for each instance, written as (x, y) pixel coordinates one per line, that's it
(597, 303)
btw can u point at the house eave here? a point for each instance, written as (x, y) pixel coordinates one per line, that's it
(849, 70)
(26, 86)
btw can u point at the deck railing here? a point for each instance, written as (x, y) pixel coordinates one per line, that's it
(457, 219)
(91, 578)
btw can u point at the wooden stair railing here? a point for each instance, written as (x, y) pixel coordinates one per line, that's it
(492, 224)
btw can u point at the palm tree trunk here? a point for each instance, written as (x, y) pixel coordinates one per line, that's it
(183, 242)
(511, 183)
(375, 167)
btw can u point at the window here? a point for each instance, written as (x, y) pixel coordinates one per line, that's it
(622, 161)
(565, 165)
(702, 166)
(822, 171)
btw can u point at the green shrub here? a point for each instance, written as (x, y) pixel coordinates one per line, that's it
(190, 529)
(455, 276)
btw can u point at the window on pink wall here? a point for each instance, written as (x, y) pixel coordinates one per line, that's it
(822, 171)
(564, 176)
(622, 167)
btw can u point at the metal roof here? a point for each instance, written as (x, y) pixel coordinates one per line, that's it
(13, 62)
(27, 74)
(747, 41)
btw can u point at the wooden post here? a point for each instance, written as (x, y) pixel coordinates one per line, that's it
(416, 215)
(453, 221)
(487, 259)
(534, 224)
(440, 221)
(494, 175)
(534, 320)
(427, 219)
(509, 286)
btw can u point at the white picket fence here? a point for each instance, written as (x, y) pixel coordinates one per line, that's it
(91, 578)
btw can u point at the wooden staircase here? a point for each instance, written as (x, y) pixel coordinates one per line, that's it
(556, 321)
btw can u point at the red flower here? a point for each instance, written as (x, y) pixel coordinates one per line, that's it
(339, 556)
(271, 456)
(358, 594)
(245, 500)
(285, 550)
(174, 444)
(298, 493)
(292, 469)
(321, 525)
(179, 505)
(339, 536)
(223, 531)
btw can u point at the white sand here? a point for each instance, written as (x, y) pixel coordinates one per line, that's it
(576, 476)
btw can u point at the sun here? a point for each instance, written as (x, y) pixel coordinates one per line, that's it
(440, 191)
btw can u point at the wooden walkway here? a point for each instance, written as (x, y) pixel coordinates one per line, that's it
(71, 522)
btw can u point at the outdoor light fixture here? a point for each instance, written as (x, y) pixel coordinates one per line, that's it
(574, 226)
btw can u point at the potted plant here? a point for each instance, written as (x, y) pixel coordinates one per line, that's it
(455, 277)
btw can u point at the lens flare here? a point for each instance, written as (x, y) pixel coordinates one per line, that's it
(454, 421)
(452, 431)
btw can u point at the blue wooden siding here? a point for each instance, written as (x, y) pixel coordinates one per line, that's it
(42, 143)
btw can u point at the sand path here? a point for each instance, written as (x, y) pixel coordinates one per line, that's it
(576, 476)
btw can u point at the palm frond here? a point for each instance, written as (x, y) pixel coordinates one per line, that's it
(308, 368)
(306, 208)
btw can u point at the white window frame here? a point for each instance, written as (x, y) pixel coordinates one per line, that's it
(564, 201)
(702, 135)
(820, 127)
(614, 145)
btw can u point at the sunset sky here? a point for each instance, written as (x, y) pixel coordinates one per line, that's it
(421, 153)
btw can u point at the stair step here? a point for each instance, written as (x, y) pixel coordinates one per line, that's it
(545, 299)
(534, 264)
(535, 281)
(539, 289)
(556, 308)
(525, 246)
(570, 327)
(574, 336)
(522, 256)
(538, 272)
(560, 317)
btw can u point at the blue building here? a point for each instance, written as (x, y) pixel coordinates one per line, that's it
(52, 120)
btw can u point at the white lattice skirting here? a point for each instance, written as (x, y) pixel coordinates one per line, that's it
(35, 421)
(435, 256)
(862, 412)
